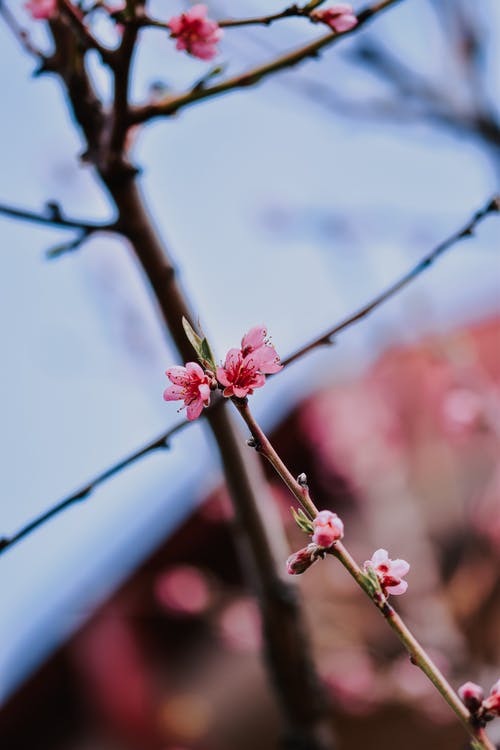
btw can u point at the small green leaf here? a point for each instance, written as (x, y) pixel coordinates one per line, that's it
(206, 355)
(372, 580)
(302, 520)
(193, 337)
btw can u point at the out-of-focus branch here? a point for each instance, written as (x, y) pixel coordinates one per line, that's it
(19, 32)
(77, 21)
(493, 206)
(159, 443)
(172, 104)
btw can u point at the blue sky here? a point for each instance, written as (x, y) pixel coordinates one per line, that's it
(249, 190)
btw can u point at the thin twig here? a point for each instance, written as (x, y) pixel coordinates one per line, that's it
(161, 442)
(76, 19)
(417, 653)
(55, 218)
(324, 339)
(172, 104)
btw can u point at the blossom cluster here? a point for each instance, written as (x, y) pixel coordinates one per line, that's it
(244, 370)
(472, 696)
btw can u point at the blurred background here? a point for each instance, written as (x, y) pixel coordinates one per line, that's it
(127, 623)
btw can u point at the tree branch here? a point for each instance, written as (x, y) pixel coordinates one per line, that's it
(161, 442)
(172, 104)
(54, 217)
(492, 206)
(324, 339)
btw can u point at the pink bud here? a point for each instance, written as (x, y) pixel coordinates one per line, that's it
(328, 528)
(492, 703)
(471, 696)
(301, 560)
(339, 18)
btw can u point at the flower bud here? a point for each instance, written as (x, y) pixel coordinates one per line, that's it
(471, 696)
(328, 528)
(301, 560)
(492, 703)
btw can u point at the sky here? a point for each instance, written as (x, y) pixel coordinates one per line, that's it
(277, 212)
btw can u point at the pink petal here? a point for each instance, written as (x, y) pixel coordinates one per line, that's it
(194, 409)
(254, 338)
(399, 568)
(399, 589)
(194, 368)
(380, 557)
(197, 12)
(240, 392)
(233, 359)
(228, 392)
(178, 375)
(203, 50)
(222, 376)
(204, 391)
(174, 393)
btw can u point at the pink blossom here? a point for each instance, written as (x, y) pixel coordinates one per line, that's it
(300, 561)
(471, 695)
(240, 375)
(492, 703)
(196, 33)
(389, 572)
(328, 528)
(191, 385)
(256, 342)
(41, 9)
(339, 17)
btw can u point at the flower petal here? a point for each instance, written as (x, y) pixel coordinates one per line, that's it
(174, 393)
(194, 409)
(399, 589)
(178, 375)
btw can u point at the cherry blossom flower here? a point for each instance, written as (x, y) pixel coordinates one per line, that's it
(240, 375)
(471, 695)
(300, 561)
(191, 385)
(389, 572)
(41, 9)
(256, 342)
(339, 17)
(328, 528)
(492, 703)
(196, 33)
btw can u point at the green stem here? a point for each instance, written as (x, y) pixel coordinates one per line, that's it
(417, 653)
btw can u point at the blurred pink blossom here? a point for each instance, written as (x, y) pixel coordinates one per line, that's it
(339, 17)
(328, 528)
(41, 9)
(183, 590)
(196, 33)
(191, 385)
(389, 572)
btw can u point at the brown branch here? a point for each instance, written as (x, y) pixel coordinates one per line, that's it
(144, 21)
(325, 338)
(172, 104)
(89, 41)
(161, 442)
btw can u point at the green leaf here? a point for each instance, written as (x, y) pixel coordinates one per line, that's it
(302, 520)
(206, 355)
(193, 337)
